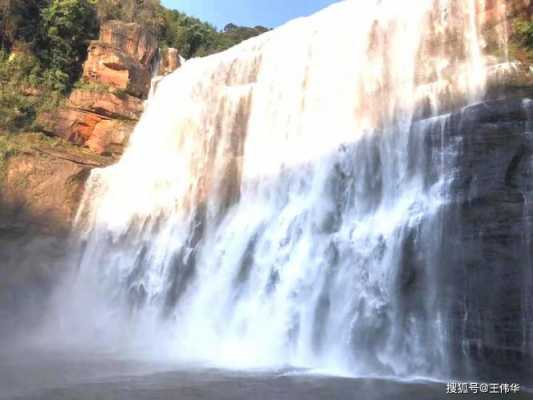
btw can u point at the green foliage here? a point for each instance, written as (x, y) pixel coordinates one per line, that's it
(18, 21)
(67, 27)
(147, 13)
(43, 44)
(524, 33)
(16, 72)
(90, 86)
(229, 37)
(23, 90)
(12, 144)
(9, 147)
(185, 33)
(56, 31)
(236, 34)
(194, 38)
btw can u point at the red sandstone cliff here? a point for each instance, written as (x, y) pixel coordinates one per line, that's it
(116, 80)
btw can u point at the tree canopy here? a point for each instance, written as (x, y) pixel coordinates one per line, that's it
(43, 44)
(58, 30)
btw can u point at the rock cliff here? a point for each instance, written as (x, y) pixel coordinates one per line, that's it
(42, 179)
(116, 80)
(41, 183)
(486, 278)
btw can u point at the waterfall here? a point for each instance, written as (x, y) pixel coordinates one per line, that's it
(281, 203)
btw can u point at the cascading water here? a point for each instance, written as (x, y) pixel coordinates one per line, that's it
(279, 202)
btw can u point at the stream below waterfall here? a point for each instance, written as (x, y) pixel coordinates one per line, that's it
(60, 376)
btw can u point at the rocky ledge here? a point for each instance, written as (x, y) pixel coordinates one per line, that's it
(42, 180)
(485, 268)
(41, 183)
(117, 75)
(42, 176)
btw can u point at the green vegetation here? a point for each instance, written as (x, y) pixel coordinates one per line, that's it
(55, 32)
(148, 13)
(521, 43)
(524, 34)
(43, 44)
(23, 84)
(13, 144)
(96, 87)
(66, 26)
(8, 148)
(195, 38)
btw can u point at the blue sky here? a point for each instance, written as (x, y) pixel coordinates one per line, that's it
(269, 13)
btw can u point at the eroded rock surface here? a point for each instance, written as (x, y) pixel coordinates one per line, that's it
(485, 278)
(169, 61)
(131, 39)
(110, 66)
(108, 104)
(41, 184)
(117, 77)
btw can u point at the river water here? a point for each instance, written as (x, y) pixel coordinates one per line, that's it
(52, 375)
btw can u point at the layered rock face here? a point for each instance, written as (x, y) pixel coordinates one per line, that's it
(41, 185)
(131, 39)
(493, 18)
(485, 262)
(117, 76)
(89, 114)
(169, 61)
(31, 190)
(40, 189)
(494, 242)
(498, 21)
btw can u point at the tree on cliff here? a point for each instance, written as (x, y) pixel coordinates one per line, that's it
(57, 31)
(195, 38)
(43, 44)
(67, 26)
(147, 13)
